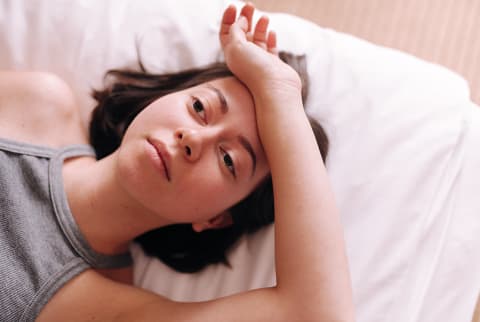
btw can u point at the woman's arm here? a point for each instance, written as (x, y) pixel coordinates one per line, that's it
(312, 270)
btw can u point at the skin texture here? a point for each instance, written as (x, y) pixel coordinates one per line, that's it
(312, 271)
(202, 150)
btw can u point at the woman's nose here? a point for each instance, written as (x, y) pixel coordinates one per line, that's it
(191, 141)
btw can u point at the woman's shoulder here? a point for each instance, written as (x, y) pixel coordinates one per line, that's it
(39, 108)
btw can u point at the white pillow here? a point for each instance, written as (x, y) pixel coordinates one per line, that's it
(403, 160)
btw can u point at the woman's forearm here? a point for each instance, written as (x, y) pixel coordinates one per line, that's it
(310, 252)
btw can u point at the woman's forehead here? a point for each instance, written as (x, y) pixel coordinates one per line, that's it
(240, 103)
(231, 85)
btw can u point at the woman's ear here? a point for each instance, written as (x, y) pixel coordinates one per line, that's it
(220, 221)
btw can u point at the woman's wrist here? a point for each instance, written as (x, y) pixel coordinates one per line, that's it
(274, 100)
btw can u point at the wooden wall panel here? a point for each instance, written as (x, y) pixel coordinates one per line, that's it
(440, 31)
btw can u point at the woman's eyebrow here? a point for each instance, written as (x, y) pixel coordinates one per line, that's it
(241, 139)
(221, 98)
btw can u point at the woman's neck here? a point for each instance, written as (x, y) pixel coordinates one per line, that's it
(107, 216)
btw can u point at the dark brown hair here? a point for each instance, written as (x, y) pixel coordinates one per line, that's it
(126, 94)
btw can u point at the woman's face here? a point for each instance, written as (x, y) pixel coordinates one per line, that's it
(193, 154)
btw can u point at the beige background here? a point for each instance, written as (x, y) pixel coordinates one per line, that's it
(441, 31)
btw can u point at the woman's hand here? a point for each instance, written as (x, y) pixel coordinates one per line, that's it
(252, 56)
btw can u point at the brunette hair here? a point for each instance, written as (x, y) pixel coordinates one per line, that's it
(125, 95)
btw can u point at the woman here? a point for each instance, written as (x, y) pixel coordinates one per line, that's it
(242, 132)
(179, 246)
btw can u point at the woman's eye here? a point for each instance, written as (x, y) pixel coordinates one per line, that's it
(228, 161)
(199, 109)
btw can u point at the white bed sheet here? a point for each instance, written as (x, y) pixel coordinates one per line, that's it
(404, 153)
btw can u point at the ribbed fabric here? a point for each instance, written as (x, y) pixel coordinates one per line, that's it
(41, 247)
(440, 31)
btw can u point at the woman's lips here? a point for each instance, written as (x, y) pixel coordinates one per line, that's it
(163, 156)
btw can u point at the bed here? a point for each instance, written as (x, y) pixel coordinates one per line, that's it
(404, 157)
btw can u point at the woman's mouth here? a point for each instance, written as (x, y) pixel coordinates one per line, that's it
(162, 157)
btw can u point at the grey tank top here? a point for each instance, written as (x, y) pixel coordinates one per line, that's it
(41, 246)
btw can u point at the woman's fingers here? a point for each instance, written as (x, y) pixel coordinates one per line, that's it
(229, 16)
(232, 28)
(247, 12)
(260, 32)
(264, 38)
(272, 43)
